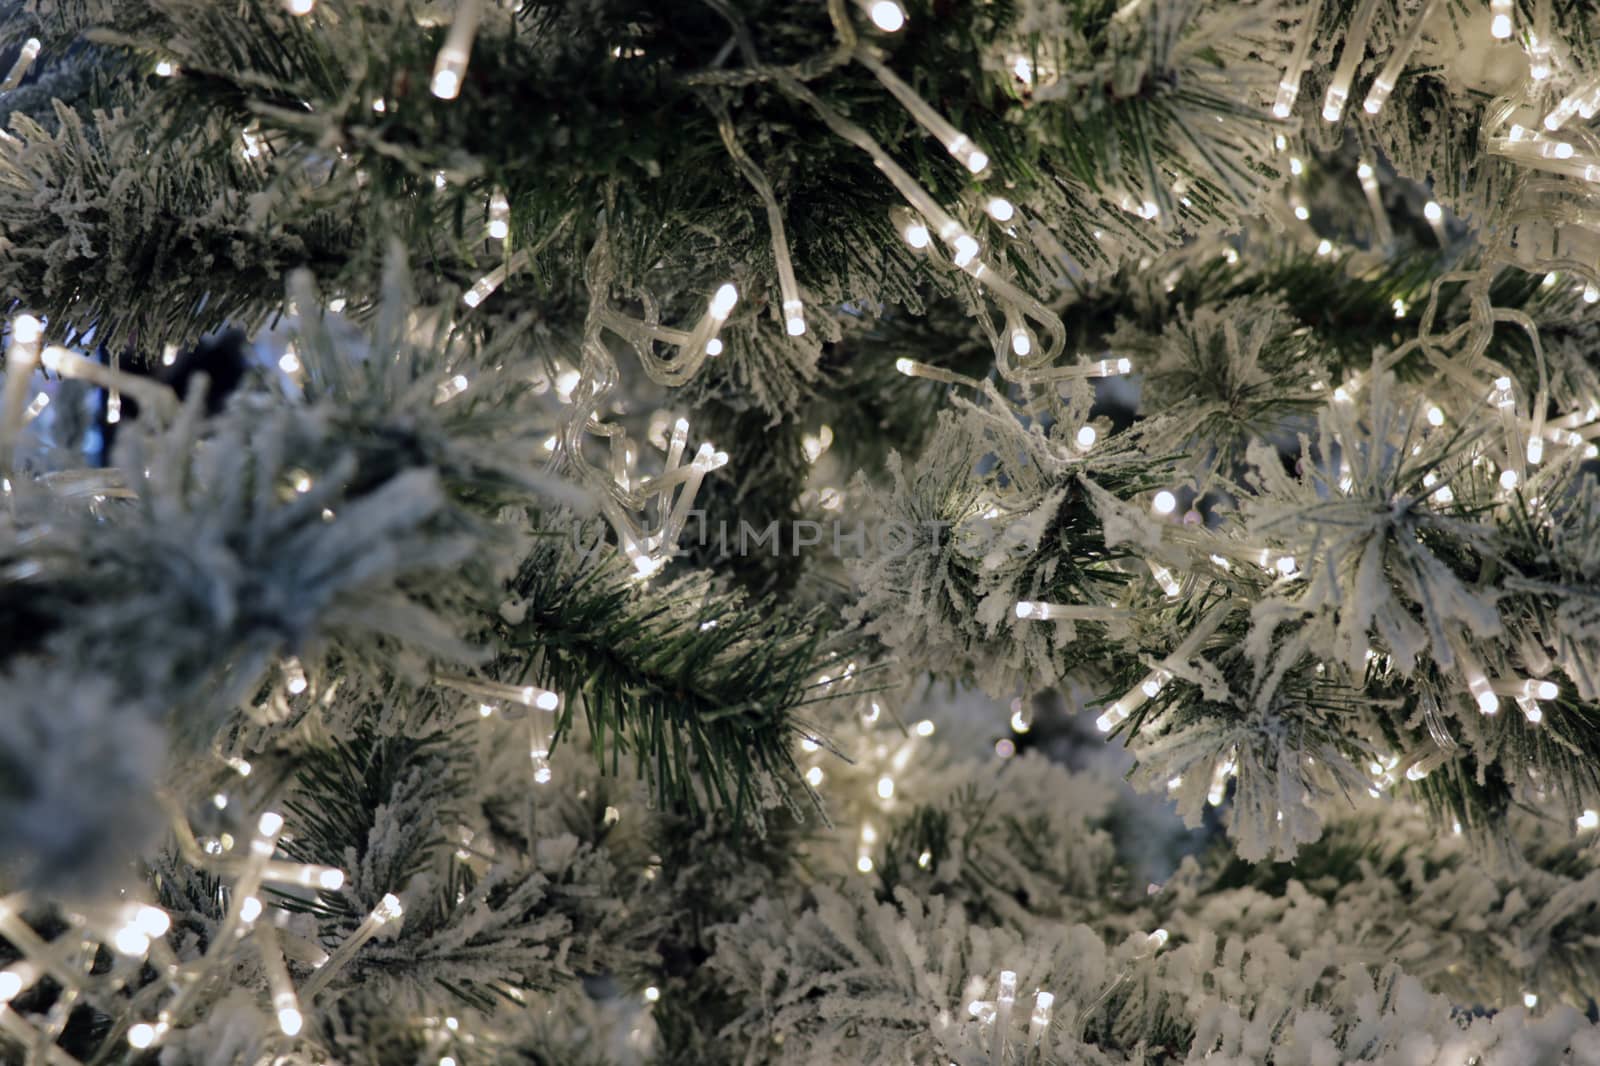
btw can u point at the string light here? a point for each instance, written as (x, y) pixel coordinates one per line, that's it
(388, 910)
(19, 69)
(1289, 84)
(1384, 83)
(450, 67)
(1041, 611)
(1355, 46)
(887, 15)
(300, 7)
(955, 142)
(499, 216)
(1500, 27)
(1164, 503)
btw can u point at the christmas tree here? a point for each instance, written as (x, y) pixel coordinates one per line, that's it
(800, 531)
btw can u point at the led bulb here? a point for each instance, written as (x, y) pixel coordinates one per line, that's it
(722, 303)
(289, 1021)
(25, 329)
(154, 922)
(794, 317)
(446, 84)
(1086, 436)
(917, 235)
(1000, 209)
(887, 15)
(300, 7)
(1432, 211)
(1164, 503)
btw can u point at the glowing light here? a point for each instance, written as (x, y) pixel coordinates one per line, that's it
(1589, 820)
(10, 985)
(25, 329)
(1164, 503)
(814, 776)
(652, 994)
(300, 7)
(1435, 417)
(722, 303)
(1000, 209)
(966, 249)
(249, 909)
(887, 16)
(446, 84)
(270, 824)
(1021, 343)
(1324, 247)
(165, 69)
(1432, 211)
(1530, 1000)
(905, 366)
(152, 921)
(142, 1035)
(499, 216)
(1086, 436)
(885, 787)
(1508, 479)
(917, 235)
(864, 864)
(130, 941)
(1500, 28)
(289, 1021)
(925, 728)
(714, 346)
